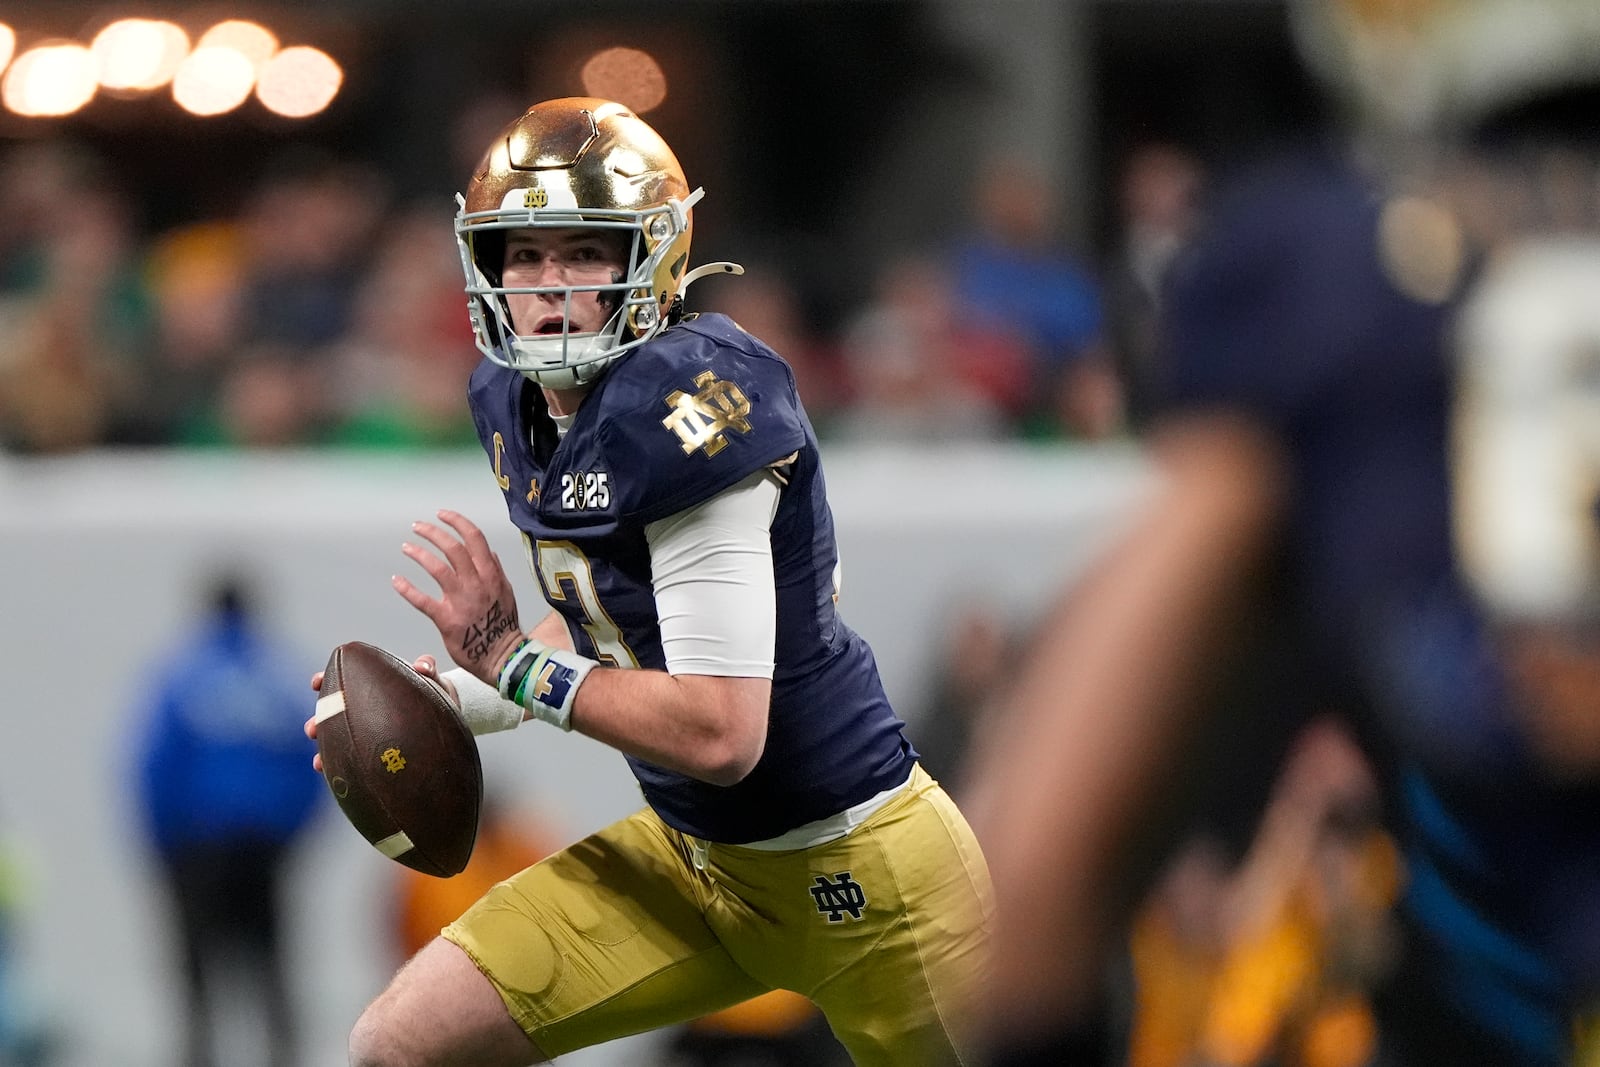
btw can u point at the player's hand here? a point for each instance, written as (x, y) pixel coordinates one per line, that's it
(311, 723)
(476, 610)
(424, 665)
(428, 667)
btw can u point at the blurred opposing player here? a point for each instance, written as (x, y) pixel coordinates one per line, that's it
(668, 488)
(1381, 448)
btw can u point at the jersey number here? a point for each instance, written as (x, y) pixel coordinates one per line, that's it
(565, 573)
(1527, 433)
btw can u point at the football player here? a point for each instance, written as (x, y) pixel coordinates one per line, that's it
(1379, 450)
(669, 492)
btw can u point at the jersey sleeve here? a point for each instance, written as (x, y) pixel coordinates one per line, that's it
(698, 418)
(489, 403)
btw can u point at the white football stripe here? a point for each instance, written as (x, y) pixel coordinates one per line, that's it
(394, 845)
(329, 706)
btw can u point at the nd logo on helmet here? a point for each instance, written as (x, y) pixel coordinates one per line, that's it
(535, 197)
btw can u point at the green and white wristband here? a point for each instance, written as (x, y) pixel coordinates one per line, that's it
(545, 681)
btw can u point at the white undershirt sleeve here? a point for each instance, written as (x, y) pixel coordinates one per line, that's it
(711, 566)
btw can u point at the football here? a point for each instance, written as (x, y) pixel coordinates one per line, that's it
(400, 761)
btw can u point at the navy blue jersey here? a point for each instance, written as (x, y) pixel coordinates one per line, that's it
(677, 421)
(1290, 312)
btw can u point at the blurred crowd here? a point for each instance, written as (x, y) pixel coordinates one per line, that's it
(318, 314)
(326, 310)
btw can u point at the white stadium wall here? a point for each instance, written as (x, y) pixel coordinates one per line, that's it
(101, 555)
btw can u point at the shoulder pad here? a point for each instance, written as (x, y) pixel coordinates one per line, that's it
(693, 413)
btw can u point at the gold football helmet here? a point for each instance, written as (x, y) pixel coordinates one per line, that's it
(578, 162)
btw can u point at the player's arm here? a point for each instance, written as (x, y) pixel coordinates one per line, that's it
(552, 630)
(716, 601)
(1098, 713)
(706, 716)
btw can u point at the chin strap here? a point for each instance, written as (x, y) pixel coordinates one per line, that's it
(709, 268)
(675, 310)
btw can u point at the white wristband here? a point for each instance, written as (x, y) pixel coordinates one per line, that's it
(545, 681)
(482, 707)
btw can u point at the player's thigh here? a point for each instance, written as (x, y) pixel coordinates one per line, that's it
(909, 1000)
(440, 1011)
(606, 938)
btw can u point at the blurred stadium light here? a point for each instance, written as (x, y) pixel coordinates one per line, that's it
(213, 81)
(138, 55)
(628, 75)
(298, 82)
(250, 39)
(56, 76)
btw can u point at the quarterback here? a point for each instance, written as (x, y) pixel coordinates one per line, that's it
(668, 489)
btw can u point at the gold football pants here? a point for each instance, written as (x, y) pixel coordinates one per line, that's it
(886, 929)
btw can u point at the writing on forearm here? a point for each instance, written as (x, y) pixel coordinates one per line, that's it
(482, 636)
